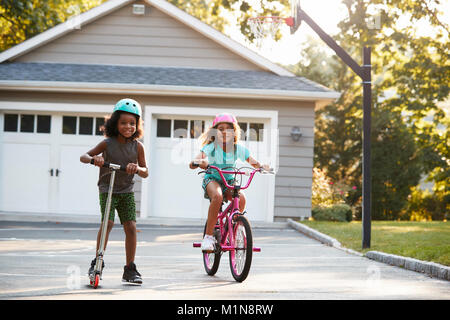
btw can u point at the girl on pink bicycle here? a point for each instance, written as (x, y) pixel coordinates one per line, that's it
(221, 148)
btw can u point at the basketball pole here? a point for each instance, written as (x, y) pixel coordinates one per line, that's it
(364, 72)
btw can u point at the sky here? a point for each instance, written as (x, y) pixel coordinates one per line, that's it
(326, 13)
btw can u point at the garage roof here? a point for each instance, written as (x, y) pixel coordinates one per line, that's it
(159, 80)
(156, 76)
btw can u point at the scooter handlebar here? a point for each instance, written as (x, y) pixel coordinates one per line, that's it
(112, 166)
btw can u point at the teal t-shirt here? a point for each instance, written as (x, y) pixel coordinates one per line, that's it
(221, 159)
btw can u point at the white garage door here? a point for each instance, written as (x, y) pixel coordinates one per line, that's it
(175, 190)
(40, 168)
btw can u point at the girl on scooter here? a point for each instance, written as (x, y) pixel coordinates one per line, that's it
(122, 129)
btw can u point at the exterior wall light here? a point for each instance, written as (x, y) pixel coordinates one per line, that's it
(295, 133)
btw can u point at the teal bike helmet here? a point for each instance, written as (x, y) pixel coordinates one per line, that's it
(128, 105)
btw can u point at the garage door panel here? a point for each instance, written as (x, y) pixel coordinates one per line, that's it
(176, 189)
(25, 177)
(78, 191)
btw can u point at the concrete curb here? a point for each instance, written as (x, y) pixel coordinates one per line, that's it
(432, 269)
(313, 233)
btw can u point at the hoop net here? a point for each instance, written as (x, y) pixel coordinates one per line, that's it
(263, 27)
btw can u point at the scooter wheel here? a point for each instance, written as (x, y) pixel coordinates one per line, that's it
(96, 281)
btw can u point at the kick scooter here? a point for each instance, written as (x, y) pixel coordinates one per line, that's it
(94, 277)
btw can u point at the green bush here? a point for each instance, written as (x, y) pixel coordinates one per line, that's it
(337, 212)
(426, 206)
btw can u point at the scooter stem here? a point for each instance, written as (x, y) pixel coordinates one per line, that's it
(101, 249)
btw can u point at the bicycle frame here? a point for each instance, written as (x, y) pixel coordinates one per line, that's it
(229, 226)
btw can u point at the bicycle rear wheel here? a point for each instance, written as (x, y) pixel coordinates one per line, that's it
(241, 256)
(211, 260)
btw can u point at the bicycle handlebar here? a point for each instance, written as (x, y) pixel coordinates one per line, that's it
(112, 166)
(221, 172)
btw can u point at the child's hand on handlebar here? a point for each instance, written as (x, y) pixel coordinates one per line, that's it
(132, 168)
(266, 167)
(202, 163)
(98, 161)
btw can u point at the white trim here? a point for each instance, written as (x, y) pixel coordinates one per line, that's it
(244, 113)
(145, 197)
(56, 107)
(62, 28)
(147, 89)
(218, 37)
(272, 115)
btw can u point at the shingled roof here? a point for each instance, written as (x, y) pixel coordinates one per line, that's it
(165, 76)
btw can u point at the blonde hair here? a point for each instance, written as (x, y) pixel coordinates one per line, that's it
(209, 135)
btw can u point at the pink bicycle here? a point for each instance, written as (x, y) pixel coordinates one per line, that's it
(232, 231)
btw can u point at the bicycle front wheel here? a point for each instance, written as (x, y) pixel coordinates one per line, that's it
(241, 256)
(211, 260)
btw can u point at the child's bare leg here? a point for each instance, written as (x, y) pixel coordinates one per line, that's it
(242, 201)
(108, 230)
(130, 240)
(215, 194)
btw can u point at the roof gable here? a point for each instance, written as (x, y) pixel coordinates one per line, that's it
(226, 48)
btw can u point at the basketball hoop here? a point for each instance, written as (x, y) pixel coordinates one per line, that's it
(263, 27)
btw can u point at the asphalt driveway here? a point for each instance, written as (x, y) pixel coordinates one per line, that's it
(50, 261)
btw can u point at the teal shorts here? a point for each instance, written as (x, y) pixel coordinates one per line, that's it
(122, 202)
(206, 181)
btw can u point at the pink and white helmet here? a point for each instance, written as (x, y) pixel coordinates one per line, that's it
(224, 117)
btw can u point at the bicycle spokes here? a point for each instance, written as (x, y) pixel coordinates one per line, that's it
(240, 248)
(241, 254)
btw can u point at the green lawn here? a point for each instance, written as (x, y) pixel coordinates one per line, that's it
(428, 241)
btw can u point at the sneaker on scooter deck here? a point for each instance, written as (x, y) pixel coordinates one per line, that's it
(131, 275)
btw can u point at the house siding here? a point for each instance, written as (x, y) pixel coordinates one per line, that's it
(294, 176)
(122, 38)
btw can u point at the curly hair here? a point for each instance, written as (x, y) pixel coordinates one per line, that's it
(109, 129)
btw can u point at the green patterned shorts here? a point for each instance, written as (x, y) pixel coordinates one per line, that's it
(123, 203)
(206, 181)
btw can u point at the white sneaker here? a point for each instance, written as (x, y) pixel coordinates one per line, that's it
(208, 243)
